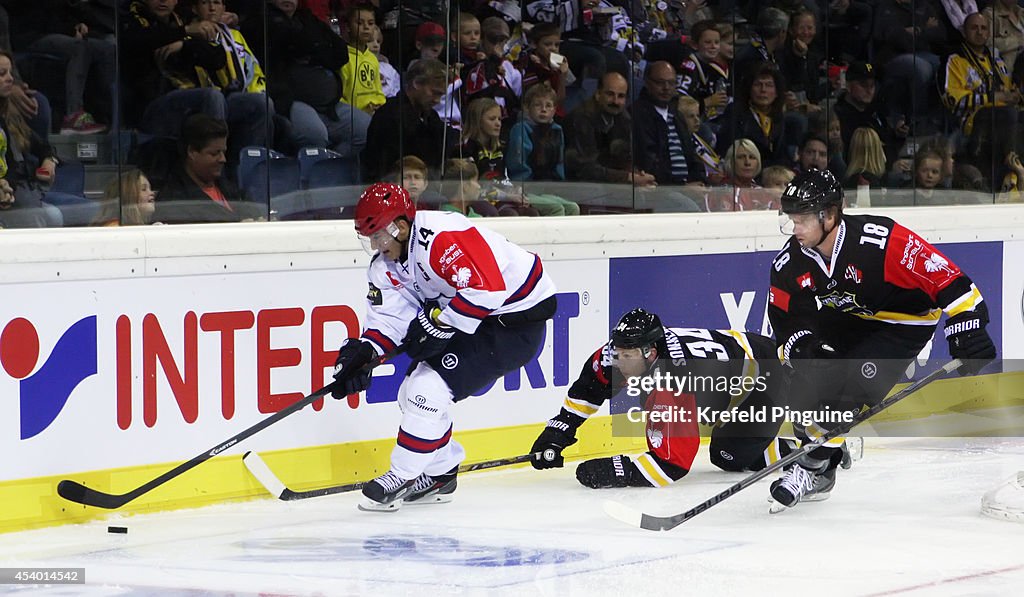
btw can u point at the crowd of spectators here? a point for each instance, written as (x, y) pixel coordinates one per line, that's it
(518, 108)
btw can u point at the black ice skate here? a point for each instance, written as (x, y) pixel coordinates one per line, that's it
(801, 484)
(385, 493)
(433, 490)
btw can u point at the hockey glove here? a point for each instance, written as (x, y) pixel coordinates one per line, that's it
(426, 338)
(349, 368)
(804, 348)
(617, 471)
(969, 341)
(559, 434)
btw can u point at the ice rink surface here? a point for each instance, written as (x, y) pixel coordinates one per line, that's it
(903, 521)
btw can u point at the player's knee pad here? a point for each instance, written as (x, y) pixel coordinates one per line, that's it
(425, 394)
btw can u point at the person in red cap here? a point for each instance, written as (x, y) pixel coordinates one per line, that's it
(429, 40)
(467, 306)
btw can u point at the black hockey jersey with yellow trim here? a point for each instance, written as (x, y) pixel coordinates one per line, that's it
(723, 354)
(880, 272)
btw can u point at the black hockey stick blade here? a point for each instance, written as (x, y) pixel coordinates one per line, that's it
(649, 522)
(272, 484)
(76, 492)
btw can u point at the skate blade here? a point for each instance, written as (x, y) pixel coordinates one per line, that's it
(776, 507)
(437, 498)
(368, 505)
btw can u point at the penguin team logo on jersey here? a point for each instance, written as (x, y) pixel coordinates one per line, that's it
(845, 302)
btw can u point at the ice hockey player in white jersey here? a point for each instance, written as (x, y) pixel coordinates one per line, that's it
(469, 306)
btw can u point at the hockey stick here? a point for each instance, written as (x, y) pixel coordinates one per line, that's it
(76, 492)
(271, 483)
(650, 522)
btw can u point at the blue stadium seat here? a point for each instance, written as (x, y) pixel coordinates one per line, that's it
(69, 178)
(263, 174)
(323, 168)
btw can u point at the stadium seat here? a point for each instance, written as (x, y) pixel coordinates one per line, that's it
(323, 168)
(69, 178)
(263, 174)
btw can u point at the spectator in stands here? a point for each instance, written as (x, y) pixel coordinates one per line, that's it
(980, 93)
(742, 165)
(664, 146)
(462, 188)
(700, 75)
(1013, 182)
(955, 174)
(724, 61)
(908, 38)
(703, 140)
(776, 178)
(757, 115)
(587, 29)
(360, 77)
(159, 57)
(430, 38)
(304, 59)
(867, 161)
(390, 80)
(542, 63)
(75, 32)
(407, 124)
(128, 200)
(599, 149)
(800, 64)
(33, 106)
(927, 178)
(412, 174)
(858, 107)
(195, 192)
(1007, 20)
(493, 76)
(537, 151)
(599, 137)
(481, 143)
(813, 153)
(249, 112)
(766, 42)
(27, 162)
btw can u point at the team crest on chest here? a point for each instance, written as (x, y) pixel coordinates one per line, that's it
(852, 273)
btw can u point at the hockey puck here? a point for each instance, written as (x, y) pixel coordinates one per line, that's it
(118, 530)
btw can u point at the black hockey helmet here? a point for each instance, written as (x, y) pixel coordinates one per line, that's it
(638, 329)
(812, 191)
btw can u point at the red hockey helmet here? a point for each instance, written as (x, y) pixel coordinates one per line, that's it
(380, 204)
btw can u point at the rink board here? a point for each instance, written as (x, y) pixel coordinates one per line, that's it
(129, 351)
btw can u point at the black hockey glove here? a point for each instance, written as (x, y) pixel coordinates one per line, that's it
(349, 368)
(425, 338)
(559, 434)
(804, 348)
(617, 471)
(969, 341)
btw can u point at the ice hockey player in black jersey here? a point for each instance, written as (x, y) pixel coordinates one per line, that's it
(853, 300)
(641, 347)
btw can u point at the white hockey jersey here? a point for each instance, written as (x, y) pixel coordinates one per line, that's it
(470, 273)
